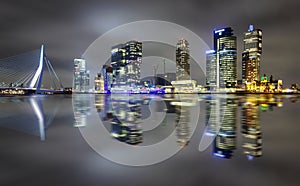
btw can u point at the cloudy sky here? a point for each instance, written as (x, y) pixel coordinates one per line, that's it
(68, 27)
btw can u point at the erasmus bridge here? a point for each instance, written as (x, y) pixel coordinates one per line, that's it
(29, 71)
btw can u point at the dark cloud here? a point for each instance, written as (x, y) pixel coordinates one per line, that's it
(68, 27)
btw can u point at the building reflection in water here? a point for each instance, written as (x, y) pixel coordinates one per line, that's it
(122, 116)
(221, 115)
(221, 120)
(251, 130)
(125, 124)
(103, 106)
(182, 125)
(81, 108)
(123, 113)
(182, 104)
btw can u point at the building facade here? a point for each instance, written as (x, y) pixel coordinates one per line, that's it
(81, 77)
(225, 45)
(107, 72)
(251, 56)
(182, 60)
(211, 70)
(125, 61)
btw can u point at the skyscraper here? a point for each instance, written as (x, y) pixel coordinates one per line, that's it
(107, 72)
(211, 69)
(126, 60)
(133, 59)
(251, 55)
(118, 64)
(81, 77)
(183, 60)
(225, 45)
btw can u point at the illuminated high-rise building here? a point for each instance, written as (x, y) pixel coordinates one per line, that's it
(251, 55)
(118, 64)
(107, 73)
(183, 60)
(133, 59)
(211, 70)
(126, 60)
(225, 45)
(81, 77)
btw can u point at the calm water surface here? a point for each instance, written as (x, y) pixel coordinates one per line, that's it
(93, 139)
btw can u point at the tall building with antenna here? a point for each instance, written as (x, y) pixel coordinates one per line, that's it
(251, 56)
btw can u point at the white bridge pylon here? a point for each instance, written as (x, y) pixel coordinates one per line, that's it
(38, 76)
(39, 72)
(30, 70)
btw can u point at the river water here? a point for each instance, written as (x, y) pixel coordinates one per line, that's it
(86, 139)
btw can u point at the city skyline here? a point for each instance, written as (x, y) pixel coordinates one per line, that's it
(221, 67)
(278, 22)
(168, 92)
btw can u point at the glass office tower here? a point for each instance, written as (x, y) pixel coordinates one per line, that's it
(125, 61)
(81, 77)
(211, 70)
(225, 45)
(251, 55)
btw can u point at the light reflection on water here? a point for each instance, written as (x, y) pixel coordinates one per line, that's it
(261, 128)
(122, 116)
(148, 119)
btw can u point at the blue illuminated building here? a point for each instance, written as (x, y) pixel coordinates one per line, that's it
(125, 61)
(225, 45)
(107, 72)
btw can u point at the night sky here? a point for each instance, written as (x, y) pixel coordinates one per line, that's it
(68, 27)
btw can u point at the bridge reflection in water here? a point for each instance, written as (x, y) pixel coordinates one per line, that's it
(28, 114)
